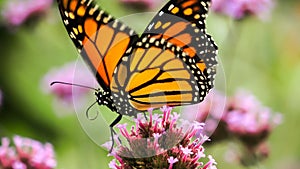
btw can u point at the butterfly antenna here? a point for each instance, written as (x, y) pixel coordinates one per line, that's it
(87, 112)
(72, 84)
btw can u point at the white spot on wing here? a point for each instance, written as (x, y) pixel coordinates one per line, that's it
(161, 13)
(150, 26)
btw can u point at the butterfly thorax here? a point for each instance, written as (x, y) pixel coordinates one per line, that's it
(104, 99)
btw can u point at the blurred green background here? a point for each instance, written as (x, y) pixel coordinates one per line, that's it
(262, 57)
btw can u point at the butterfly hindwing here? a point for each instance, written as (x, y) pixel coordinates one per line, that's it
(154, 75)
(101, 39)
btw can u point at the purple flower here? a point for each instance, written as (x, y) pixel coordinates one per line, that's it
(17, 12)
(26, 153)
(149, 4)
(160, 142)
(211, 164)
(242, 116)
(172, 161)
(238, 9)
(248, 119)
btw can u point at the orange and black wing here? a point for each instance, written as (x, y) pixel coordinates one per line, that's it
(101, 39)
(157, 73)
(183, 23)
(173, 62)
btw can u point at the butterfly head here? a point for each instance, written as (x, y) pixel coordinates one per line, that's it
(104, 99)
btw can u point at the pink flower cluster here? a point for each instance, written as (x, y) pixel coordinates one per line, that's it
(241, 116)
(238, 9)
(26, 154)
(247, 118)
(159, 142)
(16, 12)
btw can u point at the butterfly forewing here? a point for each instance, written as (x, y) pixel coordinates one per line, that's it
(101, 39)
(182, 23)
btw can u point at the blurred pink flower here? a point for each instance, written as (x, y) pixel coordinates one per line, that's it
(248, 119)
(68, 97)
(66, 73)
(238, 9)
(149, 4)
(26, 153)
(159, 142)
(242, 116)
(17, 12)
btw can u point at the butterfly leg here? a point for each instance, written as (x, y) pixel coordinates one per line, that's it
(112, 131)
(145, 116)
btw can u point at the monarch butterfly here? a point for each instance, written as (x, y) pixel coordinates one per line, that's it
(172, 63)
